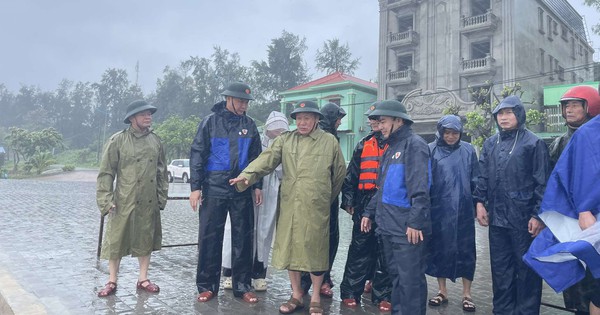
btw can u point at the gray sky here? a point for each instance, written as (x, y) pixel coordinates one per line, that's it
(44, 42)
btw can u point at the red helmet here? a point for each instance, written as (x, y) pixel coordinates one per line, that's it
(587, 94)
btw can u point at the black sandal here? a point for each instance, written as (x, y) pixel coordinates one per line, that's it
(438, 300)
(468, 305)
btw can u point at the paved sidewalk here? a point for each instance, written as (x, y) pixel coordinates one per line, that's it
(48, 240)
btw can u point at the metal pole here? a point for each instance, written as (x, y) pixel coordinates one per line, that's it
(100, 237)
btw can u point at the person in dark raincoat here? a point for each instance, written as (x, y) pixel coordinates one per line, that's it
(363, 264)
(454, 170)
(514, 166)
(569, 198)
(332, 119)
(136, 159)
(401, 208)
(227, 141)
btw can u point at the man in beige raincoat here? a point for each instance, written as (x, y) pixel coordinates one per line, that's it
(135, 157)
(313, 173)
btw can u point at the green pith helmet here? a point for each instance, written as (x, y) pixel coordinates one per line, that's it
(238, 90)
(372, 108)
(392, 108)
(136, 107)
(306, 107)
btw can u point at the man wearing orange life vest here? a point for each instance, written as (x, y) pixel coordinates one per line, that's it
(362, 264)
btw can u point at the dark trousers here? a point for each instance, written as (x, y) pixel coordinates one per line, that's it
(365, 262)
(334, 240)
(517, 288)
(213, 215)
(406, 265)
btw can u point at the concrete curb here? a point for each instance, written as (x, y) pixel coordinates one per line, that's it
(14, 300)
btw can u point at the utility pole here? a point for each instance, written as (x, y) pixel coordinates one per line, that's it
(137, 71)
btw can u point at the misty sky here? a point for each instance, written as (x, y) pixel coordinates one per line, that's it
(44, 42)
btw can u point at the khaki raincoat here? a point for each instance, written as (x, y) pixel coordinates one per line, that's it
(313, 173)
(137, 161)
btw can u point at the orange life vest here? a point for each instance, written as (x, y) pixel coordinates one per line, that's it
(369, 163)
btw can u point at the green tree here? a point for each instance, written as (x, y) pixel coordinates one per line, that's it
(25, 144)
(596, 5)
(177, 135)
(336, 58)
(39, 161)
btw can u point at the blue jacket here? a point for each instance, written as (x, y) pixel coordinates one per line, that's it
(402, 199)
(224, 145)
(514, 166)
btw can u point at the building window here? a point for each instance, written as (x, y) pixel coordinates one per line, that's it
(551, 66)
(587, 60)
(580, 49)
(542, 59)
(549, 23)
(573, 77)
(405, 62)
(564, 32)
(480, 7)
(561, 73)
(573, 47)
(480, 50)
(554, 28)
(541, 20)
(405, 24)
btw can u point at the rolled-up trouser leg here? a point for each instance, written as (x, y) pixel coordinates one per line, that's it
(210, 243)
(359, 263)
(241, 212)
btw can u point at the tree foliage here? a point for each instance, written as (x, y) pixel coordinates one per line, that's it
(596, 5)
(177, 135)
(336, 58)
(25, 144)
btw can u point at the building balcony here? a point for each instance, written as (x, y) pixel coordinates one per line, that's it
(400, 4)
(472, 67)
(403, 39)
(402, 77)
(479, 23)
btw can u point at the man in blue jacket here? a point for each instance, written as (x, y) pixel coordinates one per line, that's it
(401, 207)
(514, 168)
(226, 142)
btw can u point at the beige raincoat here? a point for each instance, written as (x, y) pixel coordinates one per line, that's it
(137, 161)
(313, 173)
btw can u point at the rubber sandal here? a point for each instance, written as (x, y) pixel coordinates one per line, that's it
(109, 289)
(326, 291)
(291, 305)
(438, 300)
(227, 283)
(368, 287)
(259, 285)
(468, 305)
(250, 297)
(351, 303)
(385, 306)
(150, 287)
(315, 308)
(205, 296)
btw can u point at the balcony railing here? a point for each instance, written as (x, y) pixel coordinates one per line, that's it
(478, 66)
(400, 39)
(479, 22)
(400, 77)
(554, 120)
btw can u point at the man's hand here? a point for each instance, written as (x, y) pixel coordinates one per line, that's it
(482, 216)
(535, 226)
(258, 200)
(365, 225)
(350, 210)
(196, 199)
(414, 236)
(586, 219)
(238, 179)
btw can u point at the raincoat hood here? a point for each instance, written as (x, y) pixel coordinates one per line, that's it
(448, 122)
(515, 103)
(331, 112)
(276, 120)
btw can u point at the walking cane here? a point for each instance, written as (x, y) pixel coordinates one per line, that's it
(100, 237)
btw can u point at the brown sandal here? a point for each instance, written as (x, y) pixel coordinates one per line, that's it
(468, 305)
(109, 288)
(326, 291)
(438, 300)
(315, 308)
(250, 297)
(291, 305)
(385, 306)
(205, 296)
(150, 287)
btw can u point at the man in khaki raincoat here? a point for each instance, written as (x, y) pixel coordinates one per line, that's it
(135, 157)
(313, 173)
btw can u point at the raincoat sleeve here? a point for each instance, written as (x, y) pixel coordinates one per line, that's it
(106, 175)
(255, 150)
(541, 173)
(162, 183)
(418, 180)
(338, 172)
(350, 186)
(264, 164)
(481, 188)
(199, 155)
(371, 207)
(474, 173)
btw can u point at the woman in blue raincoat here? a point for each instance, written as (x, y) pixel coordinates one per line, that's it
(454, 169)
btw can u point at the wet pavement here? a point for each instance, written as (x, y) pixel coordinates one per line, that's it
(48, 241)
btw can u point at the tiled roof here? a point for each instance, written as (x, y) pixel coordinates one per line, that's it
(335, 77)
(567, 13)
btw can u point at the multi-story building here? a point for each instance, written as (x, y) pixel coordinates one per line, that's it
(437, 47)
